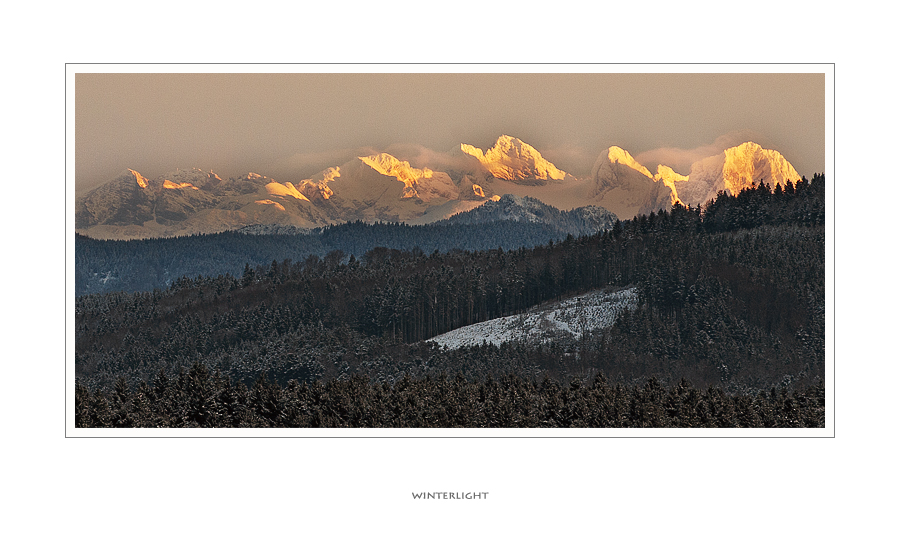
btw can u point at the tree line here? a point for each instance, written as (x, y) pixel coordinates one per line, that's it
(103, 266)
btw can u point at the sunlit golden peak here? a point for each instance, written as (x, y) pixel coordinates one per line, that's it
(512, 159)
(670, 178)
(750, 163)
(388, 165)
(472, 151)
(618, 155)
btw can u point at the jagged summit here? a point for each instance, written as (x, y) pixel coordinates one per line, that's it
(750, 164)
(732, 170)
(624, 186)
(513, 160)
(670, 179)
(617, 155)
(388, 165)
(316, 188)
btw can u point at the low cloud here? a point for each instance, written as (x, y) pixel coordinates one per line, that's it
(574, 159)
(304, 165)
(421, 156)
(301, 166)
(681, 159)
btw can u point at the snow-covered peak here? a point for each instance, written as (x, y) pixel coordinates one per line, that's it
(670, 179)
(512, 159)
(316, 188)
(388, 165)
(617, 155)
(617, 168)
(749, 163)
(734, 169)
(423, 184)
(624, 186)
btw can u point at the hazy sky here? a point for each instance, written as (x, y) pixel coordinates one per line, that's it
(237, 123)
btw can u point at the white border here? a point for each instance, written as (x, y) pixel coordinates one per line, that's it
(439, 433)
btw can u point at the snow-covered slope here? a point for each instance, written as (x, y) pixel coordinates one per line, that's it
(625, 187)
(513, 160)
(569, 318)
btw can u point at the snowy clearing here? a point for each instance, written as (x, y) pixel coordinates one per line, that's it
(568, 318)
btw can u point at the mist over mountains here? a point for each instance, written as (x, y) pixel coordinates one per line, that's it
(379, 187)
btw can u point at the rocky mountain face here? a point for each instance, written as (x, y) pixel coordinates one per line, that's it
(381, 187)
(513, 160)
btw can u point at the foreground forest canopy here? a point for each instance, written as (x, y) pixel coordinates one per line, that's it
(729, 331)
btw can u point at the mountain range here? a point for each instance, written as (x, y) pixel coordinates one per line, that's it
(381, 187)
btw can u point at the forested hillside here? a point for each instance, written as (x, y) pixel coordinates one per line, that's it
(731, 298)
(143, 265)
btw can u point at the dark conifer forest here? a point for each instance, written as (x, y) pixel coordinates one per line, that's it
(729, 330)
(143, 265)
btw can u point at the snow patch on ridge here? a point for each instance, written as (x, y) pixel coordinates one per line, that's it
(141, 181)
(569, 318)
(271, 202)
